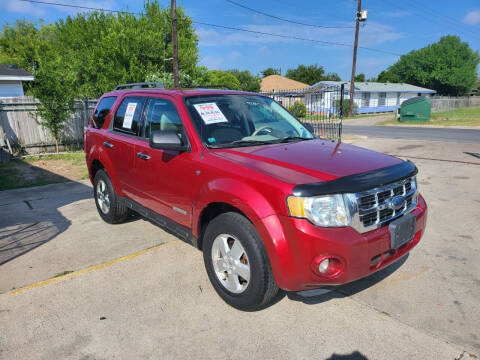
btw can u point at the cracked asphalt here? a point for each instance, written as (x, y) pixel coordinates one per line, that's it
(117, 300)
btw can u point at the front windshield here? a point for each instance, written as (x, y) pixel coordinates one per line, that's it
(243, 120)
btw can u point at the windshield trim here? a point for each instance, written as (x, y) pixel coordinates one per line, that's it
(209, 146)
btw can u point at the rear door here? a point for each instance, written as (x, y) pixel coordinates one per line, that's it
(164, 178)
(125, 128)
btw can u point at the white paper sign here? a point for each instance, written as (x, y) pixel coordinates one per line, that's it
(127, 120)
(210, 113)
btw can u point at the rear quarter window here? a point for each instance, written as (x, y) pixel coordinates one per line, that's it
(128, 117)
(102, 110)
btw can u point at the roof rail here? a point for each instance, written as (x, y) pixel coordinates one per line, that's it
(140, 85)
(209, 87)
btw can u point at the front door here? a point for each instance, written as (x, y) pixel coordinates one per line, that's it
(164, 177)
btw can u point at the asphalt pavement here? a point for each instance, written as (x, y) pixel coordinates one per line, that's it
(414, 133)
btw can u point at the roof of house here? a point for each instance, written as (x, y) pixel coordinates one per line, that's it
(277, 82)
(13, 73)
(375, 87)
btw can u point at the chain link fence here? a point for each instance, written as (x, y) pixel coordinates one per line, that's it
(446, 103)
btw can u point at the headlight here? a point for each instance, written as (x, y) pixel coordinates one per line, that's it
(328, 211)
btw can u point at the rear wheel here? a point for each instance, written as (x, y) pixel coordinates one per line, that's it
(237, 263)
(109, 206)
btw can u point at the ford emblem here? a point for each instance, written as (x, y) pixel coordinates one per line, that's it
(396, 203)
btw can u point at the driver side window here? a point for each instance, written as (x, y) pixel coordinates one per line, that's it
(162, 115)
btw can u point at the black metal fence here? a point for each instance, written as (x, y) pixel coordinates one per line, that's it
(322, 107)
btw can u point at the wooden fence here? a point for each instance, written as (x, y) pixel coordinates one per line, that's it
(18, 124)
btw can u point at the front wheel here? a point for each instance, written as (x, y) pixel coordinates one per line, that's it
(237, 263)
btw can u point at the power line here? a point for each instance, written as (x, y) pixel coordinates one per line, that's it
(323, 42)
(431, 16)
(287, 20)
(80, 7)
(294, 37)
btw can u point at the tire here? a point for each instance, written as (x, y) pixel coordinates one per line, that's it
(109, 206)
(222, 233)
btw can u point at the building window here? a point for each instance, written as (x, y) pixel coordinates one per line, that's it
(382, 98)
(365, 99)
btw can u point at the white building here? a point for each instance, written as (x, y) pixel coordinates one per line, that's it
(11, 81)
(369, 97)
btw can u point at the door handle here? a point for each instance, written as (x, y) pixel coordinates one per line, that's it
(143, 156)
(108, 145)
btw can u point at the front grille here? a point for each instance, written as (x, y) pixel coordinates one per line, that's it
(373, 205)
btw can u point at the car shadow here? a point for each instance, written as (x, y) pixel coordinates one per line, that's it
(327, 293)
(31, 217)
(323, 294)
(356, 355)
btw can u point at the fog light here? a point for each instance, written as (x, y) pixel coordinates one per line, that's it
(323, 266)
(327, 265)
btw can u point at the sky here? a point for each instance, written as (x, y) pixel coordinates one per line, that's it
(393, 27)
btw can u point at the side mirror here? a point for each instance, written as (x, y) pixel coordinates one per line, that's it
(309, 127)
(167, 140)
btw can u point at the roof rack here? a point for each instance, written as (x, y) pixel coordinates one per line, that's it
(140, 85)
(209, 87)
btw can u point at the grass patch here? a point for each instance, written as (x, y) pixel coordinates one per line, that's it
(322, 117)
(76, 158)
(458, 117)
(43, 170)
(63, 273)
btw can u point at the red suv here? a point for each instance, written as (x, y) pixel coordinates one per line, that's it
(240, 178)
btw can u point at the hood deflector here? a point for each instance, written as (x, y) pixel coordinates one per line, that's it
(358, 182)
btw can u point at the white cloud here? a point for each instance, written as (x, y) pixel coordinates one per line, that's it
(472, 18)
(373, 34)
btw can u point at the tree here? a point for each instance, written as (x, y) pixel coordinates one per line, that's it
(448, 66)
(90, 53)
(107, 49)
(298, 109)
(345, 107)
(104, 49)
(166, 78)
(248, 82)
(311, 74)
(360, 77)
(53, 91)
(217, 77)
(270, 71)
(332, 77)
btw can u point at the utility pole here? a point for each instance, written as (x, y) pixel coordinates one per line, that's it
(173, 8)
(354, 61)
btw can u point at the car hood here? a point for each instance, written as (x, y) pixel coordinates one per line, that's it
(308, 161)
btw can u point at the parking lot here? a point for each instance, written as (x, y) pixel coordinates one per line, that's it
(74, 287)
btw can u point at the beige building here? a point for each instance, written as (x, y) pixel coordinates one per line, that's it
(275, 83)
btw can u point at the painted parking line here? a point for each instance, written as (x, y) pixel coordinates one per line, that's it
(87, 270)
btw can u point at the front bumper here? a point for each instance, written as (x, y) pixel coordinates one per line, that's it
(296, 243)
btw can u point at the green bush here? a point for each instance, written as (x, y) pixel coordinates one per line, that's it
(298, 109)
(346, 107)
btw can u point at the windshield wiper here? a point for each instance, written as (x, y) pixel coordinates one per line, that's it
(242, 143)
(293, 138)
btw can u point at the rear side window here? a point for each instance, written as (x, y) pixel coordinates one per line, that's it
(102, 110)
(128, 118)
